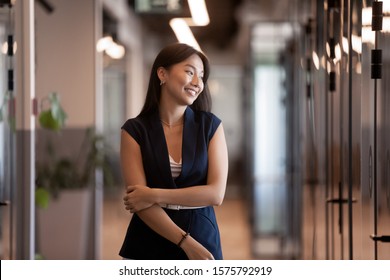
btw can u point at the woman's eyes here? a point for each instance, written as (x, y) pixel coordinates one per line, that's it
(191, 73)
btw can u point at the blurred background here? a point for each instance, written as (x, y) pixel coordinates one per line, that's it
(302, 88)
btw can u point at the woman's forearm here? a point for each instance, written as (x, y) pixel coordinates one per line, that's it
(192, 196)
(156, 218)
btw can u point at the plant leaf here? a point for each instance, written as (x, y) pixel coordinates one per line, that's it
(47, 121)
(57, 112)
(53, 118)
(42, 198)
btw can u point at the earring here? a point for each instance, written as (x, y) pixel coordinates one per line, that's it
(162, 82)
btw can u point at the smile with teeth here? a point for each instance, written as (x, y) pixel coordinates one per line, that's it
(191, 91)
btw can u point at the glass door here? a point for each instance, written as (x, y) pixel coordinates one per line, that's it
(7, 130)
(274, 203)
(375, 163)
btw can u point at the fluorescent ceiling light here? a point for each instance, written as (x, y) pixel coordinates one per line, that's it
(183, 32)
(199, 12)
(366, 16)
(357, 44)
(4, 47)
(316, 60)
(368, 36)
(104, 43)
(386, 7)
(116, 51)
(386, 24)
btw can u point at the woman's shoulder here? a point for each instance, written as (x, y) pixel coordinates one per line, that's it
(209, 121)
(136, 127)
(207, 117)
(138, 121)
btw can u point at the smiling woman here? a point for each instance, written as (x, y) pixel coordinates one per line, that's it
(181, 83)
(174, 162)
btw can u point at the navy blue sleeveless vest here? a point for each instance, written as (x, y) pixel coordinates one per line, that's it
(140, 241)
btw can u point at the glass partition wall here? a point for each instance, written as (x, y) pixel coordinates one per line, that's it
(7, 132)
(375, 118)
(276, 187)
(321, 159)
(348, 189)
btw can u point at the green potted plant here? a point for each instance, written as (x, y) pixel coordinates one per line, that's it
(52, 119)
(61, 173)
(64, 187)
(66, 173)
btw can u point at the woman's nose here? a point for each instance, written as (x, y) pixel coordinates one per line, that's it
(195, 81)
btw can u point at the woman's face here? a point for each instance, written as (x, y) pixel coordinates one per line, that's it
(184, 81)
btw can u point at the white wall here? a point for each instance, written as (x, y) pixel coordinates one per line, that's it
(130, 35)
(65, 57)
(226, 92)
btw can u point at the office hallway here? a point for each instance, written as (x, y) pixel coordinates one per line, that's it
(231, 216)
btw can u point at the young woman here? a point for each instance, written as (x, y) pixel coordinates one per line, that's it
(174, 161)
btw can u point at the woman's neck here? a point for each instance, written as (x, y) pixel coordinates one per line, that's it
(172, 116)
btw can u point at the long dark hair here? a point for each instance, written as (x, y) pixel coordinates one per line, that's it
(168, 56)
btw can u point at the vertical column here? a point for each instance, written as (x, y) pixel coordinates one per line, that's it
(23, 208)
(376, 74)
(97, 204)
(350, 186)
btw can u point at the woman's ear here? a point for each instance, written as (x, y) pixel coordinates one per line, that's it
(161, 73)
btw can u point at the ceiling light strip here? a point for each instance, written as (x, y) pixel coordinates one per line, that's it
(183, 32)
(199, 12)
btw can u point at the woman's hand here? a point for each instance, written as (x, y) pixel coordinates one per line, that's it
(137, 198)
(194, 250)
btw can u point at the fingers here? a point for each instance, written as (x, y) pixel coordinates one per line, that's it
(129, 189)
(126, 200)
(134, 198)
(126, 203)
(132, 188)
(130, 208)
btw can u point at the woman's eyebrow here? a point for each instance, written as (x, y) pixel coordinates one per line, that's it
(193, 67)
